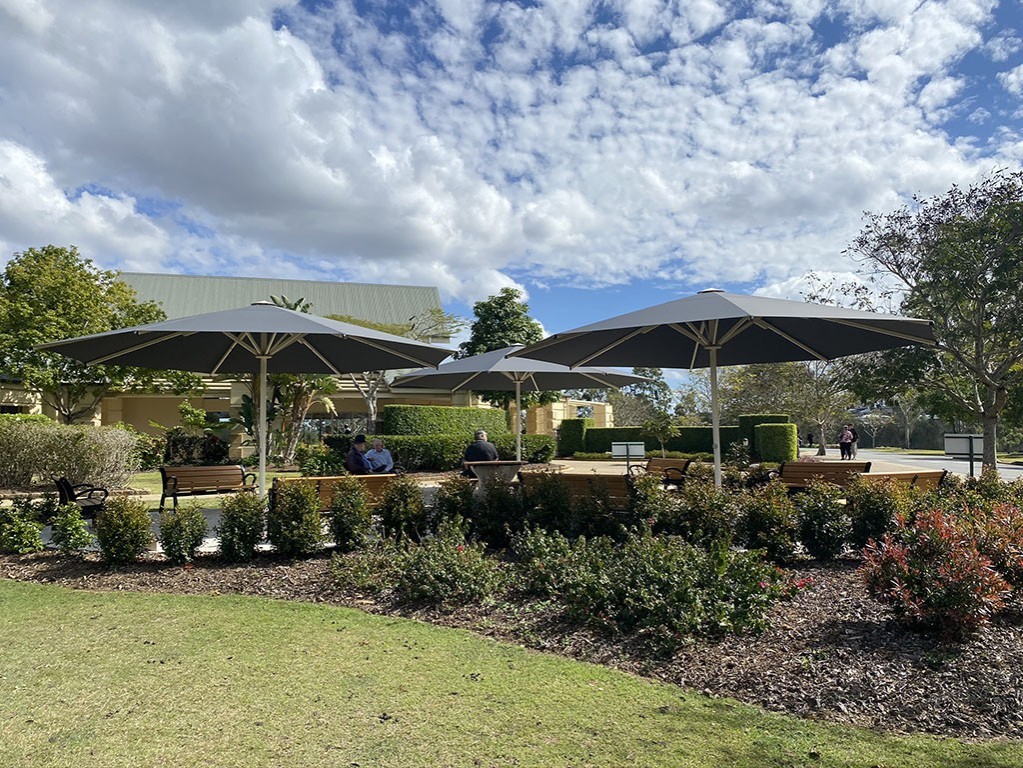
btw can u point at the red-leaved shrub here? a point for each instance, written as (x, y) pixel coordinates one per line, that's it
(932, 573)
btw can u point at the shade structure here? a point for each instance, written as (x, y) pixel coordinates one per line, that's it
(259, 339)
(497, 371)
(714, 328)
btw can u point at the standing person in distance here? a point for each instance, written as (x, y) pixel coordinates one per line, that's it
(845, 439)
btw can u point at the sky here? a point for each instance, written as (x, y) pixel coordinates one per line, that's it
(600, 156)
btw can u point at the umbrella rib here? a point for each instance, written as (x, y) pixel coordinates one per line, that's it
(612, 345)
(809, 350)
(735, 330)
(463, 382)
(382, 348)
(245, 341)
(689, 332)
(895, 334)
(223, 358)
(136, 348)
(305, 343)
(278, 345)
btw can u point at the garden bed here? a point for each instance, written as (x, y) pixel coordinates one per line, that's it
(831, 653)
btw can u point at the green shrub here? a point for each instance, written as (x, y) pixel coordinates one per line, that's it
(123, 530)
(931, 574)
(548, 505)
(824, 524)
(20, 528)
(293, 523)
(543, 561)
(185, 448)
(873, 507)
(70, 533)
(446, 569)
(776, 442)
(536, 449)
(768, 522)
(320, 461)
(667, 588)
(747, 428)
(402, 511)
(349, 515)
(182, 531)
(999, 537)
(242, 519)
(367, 571)
(441, 419)
(498, 512)
(149, 449)
(572, 435)
(454, 499)
(700, 513)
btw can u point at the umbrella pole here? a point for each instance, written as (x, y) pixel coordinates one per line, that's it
(518, 420)
(714, 417)
(262, 426)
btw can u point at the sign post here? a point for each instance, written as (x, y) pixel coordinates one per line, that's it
(628, 451)
(965, 446)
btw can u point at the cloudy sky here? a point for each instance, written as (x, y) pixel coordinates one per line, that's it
(603, 156)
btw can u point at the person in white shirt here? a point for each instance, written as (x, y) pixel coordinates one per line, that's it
(379, 458)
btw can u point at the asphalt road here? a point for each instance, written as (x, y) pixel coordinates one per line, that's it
(925, 461)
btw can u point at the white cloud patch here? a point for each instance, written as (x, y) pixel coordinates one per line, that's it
(474, 145)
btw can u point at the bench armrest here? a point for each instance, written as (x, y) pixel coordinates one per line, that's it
(246, 476)
(637, 469)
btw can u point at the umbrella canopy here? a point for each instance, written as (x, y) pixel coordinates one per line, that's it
(262, 338)
(497, 371)
(715, 328)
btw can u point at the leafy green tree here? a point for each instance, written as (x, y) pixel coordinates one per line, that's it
(501, 321)
(52, 293)
(644, 401)
(662, 426)
(958, 258)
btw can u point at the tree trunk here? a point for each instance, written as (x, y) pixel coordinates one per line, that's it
(994, 400)
(821, 448)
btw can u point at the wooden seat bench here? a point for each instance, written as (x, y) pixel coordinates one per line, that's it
(797, 474)
(671, 471)
(375, 486)
(922, 479)
(618, 488)
(196, 480)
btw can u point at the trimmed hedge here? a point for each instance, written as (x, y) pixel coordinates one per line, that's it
(689, 440)
(572, 435)
(440, 453)
(748, 423)
(442, 419)
(776, 442)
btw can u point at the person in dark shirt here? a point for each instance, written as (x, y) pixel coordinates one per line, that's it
(355, 460)
(481, 450)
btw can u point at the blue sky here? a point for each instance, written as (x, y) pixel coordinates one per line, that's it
(602, 156)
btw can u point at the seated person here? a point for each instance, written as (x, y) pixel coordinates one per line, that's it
(481, 450)
(379, 458)
(356, 459)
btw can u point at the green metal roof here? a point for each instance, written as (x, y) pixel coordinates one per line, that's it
(184, 295)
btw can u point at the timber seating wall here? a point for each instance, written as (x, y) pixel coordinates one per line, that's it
(586, 485)
(193, 481)
(375, 486)
(797, 474)
(924, 480)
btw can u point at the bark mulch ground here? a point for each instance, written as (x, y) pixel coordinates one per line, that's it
(831, 652)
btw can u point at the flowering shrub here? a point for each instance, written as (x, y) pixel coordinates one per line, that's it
(369, 570)
(700, 513)
(123, 530)
(932, 574)
(293, 524)
(446, 569)
(182, 531)
(999, 537)
(824, 524)
(873, 507)
(242, 518)
(768, 522)
(543, 561)
(349, 516)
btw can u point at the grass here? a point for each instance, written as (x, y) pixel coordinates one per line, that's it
(150, 482)
(120, 679)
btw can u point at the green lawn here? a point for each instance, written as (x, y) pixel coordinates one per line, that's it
(121, 679)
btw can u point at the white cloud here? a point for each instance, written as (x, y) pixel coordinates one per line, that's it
(1012, 80)
(710, 143)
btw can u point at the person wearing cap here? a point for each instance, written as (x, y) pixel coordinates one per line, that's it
(356, 459)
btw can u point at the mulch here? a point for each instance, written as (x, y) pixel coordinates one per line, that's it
(831, 652)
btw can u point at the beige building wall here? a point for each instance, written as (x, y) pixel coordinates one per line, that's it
(545, 419)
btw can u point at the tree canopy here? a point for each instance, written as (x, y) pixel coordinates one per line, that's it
(53, 293)
(958, 259)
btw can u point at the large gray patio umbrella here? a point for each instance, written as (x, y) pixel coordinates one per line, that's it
(715, 328)
(496, 371)
(262, 338)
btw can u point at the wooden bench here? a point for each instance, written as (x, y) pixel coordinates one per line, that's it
(922, 479)
(375, 486)
(193, 481)
(618, 488)
(671, 471)
(797, 474)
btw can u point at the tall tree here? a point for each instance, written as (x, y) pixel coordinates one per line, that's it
(501, 321)
(52, 293)
(645, 401)
(958, 257)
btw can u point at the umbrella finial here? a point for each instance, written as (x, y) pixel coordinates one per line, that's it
(262, 304)
(712, 290)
